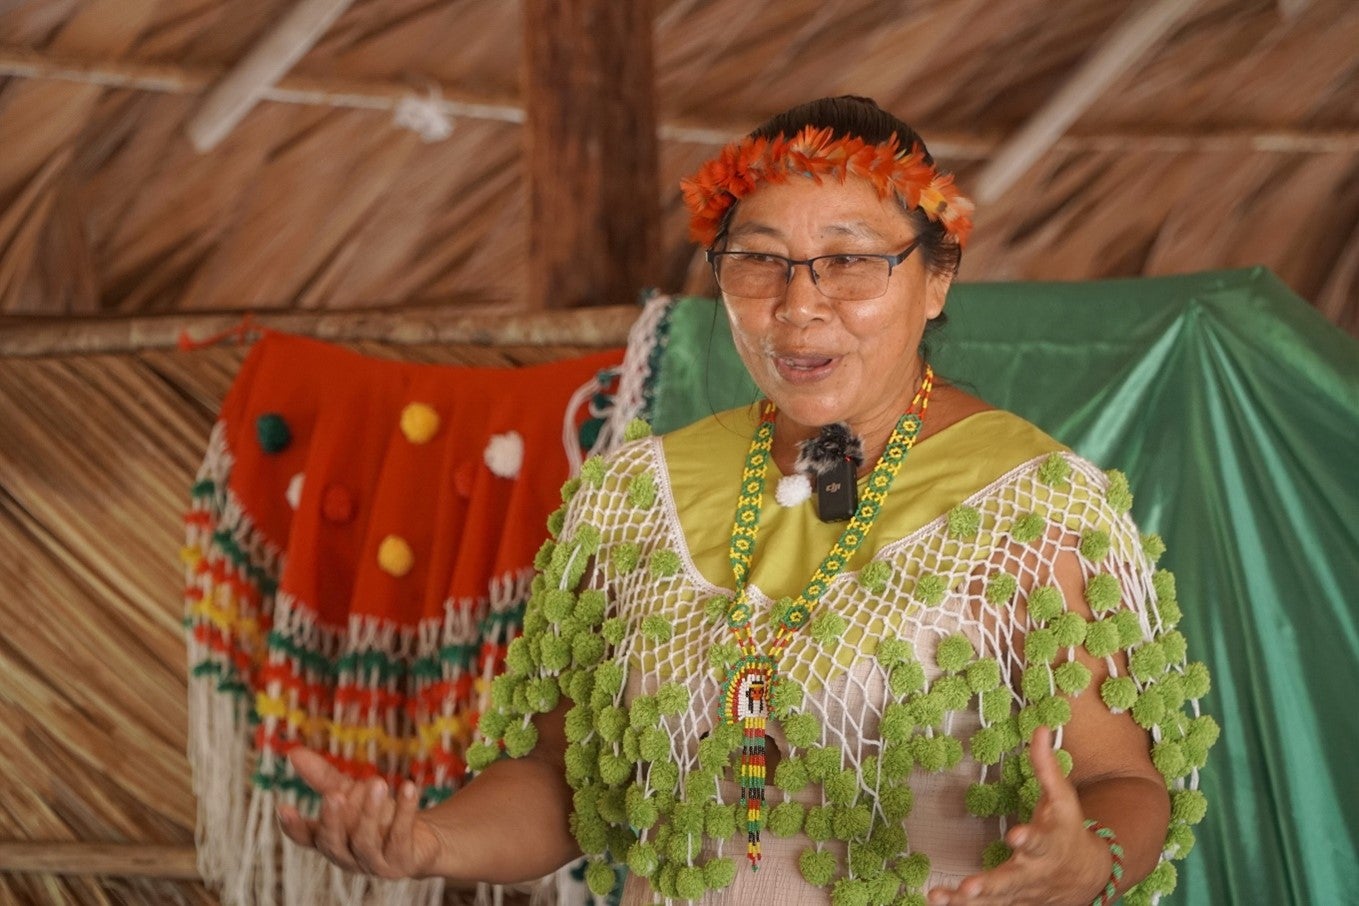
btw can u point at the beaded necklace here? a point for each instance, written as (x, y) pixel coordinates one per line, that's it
(745, 692)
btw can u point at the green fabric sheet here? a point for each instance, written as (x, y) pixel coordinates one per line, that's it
(1233, 407)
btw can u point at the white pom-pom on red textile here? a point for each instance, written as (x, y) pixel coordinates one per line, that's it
(505, 454)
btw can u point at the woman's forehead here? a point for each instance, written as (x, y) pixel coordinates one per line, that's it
(829, 209)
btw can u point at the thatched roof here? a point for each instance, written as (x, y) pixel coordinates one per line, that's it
(1232, 139)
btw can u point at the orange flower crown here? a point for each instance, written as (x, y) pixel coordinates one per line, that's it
(814, 152)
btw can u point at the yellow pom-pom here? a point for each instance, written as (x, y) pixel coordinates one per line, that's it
(419, 422)
(394, 556)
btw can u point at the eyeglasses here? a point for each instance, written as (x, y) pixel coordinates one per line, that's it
(848, 278)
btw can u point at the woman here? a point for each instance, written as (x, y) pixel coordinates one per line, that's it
(976, 697)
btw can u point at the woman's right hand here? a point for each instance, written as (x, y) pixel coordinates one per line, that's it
(361, 826)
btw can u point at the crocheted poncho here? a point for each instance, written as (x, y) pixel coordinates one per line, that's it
(902, 715)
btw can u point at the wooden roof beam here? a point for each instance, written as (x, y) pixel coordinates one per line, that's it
(1129, 40)
(269, 60)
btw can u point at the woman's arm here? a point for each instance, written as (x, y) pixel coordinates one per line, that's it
(1055, 859)
(509, 824)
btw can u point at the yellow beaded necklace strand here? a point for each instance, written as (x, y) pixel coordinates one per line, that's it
(749, 683)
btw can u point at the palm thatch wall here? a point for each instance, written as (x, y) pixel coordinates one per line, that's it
(1231, 139)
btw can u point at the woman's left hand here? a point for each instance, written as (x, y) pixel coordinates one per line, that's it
(1055, 860)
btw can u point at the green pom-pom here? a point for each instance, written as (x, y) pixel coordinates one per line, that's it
(852, 822)
(892, 652)
(1101, 638)
(822, 762)
(952, 691)
(1162, 879)
(719, 873)
(983, 800)
(570, 488)
(1149, 709)
(590, 832)
(653, 744)
(590, 607)
(1069, 630)
(578, 723)
(642, 491)
(906, 679)
(555, 521)
(997, 852)
(587, 649)
(1163, 584)
(885, 889)
(643, 859)
(481, 755)
(592, 471)
(786, 697)
(691, 883)
(888, 840)
(964, 522)
(1029, 720)
(1001, 589)
(897, 722)
(657, 628)
(625, 557)
(850, 892)
(1174, 646)
(954, 652)
(983, 675)
(841, 788)
(897, 760)
(1029, 792)
(641, 809)
(1118, 494)
(1064, 761)
(543, 694)
(1147, 661)
(636, 429)
(1187, 806)
(1204, 731)
(1171, 687)
(987, 745)
(687, 818)
(614, 769)
(672, 698)
(1028, 528)
(785, 819)
(896, 802)
(1168, 756)
(1179, 841)
(828, 627)
(719, 821)
(722, 656)
(802, 730)
(1103, 592)
(543, 558)
(996, 705)
(554, 653)
(600, 877)
(818, 867)
(1054, 711)
(1153, 546)
(613, 630)
(665, 881)
(492, 724)
(930, 589)
(1118, 692)
(520, 739)
(926, 710)
(1197, 680)
(519, 657)
(715, 608)
(1045, 603)
(1040, 646)
(1036, 682)
(1072, 677)
(817, 824)
(1053, 472)
(663, 776)
(875, 576)
(1094, 545)
(791, 775)
(1129, 628)
(613, 807)
(664, 563)
(581, 763)
(914, 870)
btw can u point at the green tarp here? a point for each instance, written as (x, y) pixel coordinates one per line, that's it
(1233, 407)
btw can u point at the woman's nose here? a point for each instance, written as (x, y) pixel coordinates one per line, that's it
(803, 302)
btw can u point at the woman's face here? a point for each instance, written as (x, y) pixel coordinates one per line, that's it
(823, 360)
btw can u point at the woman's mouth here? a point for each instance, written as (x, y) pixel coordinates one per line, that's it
(800, 369)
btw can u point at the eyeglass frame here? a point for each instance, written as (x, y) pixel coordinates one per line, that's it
(713, 255)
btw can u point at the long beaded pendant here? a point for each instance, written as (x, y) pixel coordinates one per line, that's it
(751, 681)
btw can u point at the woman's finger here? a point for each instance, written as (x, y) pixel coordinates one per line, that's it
(332, 831)
(368, 832)
(318, 773)
(400, 849)
(295, 827)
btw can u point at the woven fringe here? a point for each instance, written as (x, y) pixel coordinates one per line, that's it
(630, 402)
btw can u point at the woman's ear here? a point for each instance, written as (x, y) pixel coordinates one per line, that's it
(936, 293)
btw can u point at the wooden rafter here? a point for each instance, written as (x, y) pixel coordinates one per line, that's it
(453, 102)
(268, 61)
(1116, 54)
